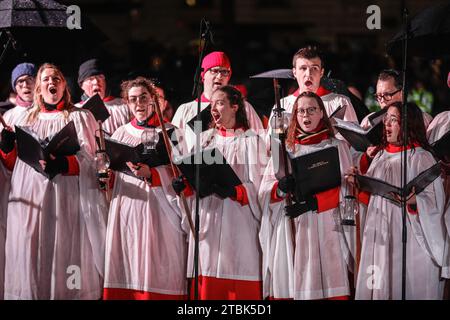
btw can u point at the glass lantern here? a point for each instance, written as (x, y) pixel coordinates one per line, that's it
(149, 139)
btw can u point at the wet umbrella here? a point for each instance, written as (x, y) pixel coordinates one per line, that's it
(37, 30)
(429, 34)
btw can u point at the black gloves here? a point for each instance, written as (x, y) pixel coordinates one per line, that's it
(178, 184)
(223, 192)
(59, 165)
(7, 140)
(286, 184)
(302, 206)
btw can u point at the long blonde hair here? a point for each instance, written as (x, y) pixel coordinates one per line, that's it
(38, 100)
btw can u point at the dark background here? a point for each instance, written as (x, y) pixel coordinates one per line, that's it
(159, 39)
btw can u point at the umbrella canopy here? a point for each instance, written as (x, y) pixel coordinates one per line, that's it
(38, 30)
(429, 34)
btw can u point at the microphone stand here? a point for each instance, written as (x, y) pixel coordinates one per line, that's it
(197, 92)
(404, 165)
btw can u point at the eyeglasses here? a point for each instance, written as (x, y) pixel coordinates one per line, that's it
(386, 96)
(390, 120)
(143, 99)
(310, 111)
(223, 72)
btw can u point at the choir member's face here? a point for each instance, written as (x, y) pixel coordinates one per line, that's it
(308, 114)
(25, 87)
(392, 125)
(93, 85)
(215, 78)
(140, 102)
(387, 93)
(222, 111)
(52, 86)
(308, 73)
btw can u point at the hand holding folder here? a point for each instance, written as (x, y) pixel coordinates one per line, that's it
(214, 170)
(32, 150)
(393, 193)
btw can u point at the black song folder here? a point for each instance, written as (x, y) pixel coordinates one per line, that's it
(386, 190)
(97, 107)
(205, 117)
(120, 153)
(316, 172)
(441, 147)
(31, 149)
(359, 138)
(214, 169)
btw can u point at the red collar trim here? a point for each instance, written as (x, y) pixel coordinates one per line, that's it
(394, 149)
(59, 107)
(224, 132)
(153, 121)
(202, 98)
(108, 98)
(321, 91)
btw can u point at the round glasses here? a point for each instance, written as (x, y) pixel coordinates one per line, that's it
(308, 111)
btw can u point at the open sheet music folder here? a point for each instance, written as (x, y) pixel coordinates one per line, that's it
(120, 153)
(31, 149)
(386, 190)
(359, 138)
(214, 169)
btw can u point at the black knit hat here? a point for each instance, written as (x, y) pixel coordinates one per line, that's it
(88, 69)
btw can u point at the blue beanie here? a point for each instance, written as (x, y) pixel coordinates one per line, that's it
(21, 70)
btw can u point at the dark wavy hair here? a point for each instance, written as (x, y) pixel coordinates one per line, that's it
(235, 97)
(293, 125)
(416, 128)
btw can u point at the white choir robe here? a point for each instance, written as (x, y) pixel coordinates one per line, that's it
(324, 249)
(119, 111)
(187, 111)
(14, 116)
(56, 229)
(437, 128)
(5, 177)
(229, 247)
(380, 270)
(146, 247)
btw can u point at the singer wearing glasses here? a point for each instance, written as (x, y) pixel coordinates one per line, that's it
(310, 260)
(380, 271)
(145, 245)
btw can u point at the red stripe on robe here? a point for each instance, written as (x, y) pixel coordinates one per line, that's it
(210, 288)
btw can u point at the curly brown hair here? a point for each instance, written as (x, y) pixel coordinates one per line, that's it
(145, 83)
(235, 97)
(294, 126)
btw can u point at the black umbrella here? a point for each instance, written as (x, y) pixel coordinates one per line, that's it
(429, 34)
(37, 30)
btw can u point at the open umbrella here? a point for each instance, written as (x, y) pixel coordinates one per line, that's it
(37, 30)
(429, 34)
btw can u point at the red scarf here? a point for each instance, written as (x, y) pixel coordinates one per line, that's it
(318, 135)
(224, 132)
